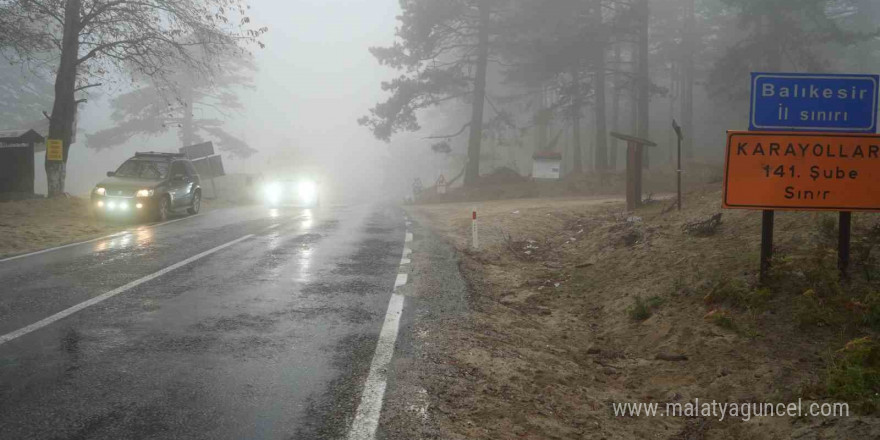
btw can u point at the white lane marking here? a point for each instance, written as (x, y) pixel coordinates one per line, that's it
(175, 220)
(366, 419)
(272, 227)
(409, 237)
(65, 313)
(43, 251)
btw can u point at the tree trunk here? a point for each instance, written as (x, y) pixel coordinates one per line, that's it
(601, 118)
(472, 175)
(687, 91)
(601, 156)
(675, 90)
(187, 127)
(542, 122)
(615, 109)
(644, 79)
(64, 107)
(576, 106)
(773, 51)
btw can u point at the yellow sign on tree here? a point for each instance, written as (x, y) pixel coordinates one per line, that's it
(54, 150)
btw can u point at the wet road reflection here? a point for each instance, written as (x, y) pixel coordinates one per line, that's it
(270, 338)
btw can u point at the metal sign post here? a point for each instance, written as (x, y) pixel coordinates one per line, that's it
(767, 220)
(207, 163)
(843, 243)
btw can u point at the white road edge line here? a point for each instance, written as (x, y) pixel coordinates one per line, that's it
(403, 257)
(65, 313)
(120, 233)
(366, 419)
(43, 251)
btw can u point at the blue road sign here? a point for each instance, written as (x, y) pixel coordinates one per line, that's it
(814, 102)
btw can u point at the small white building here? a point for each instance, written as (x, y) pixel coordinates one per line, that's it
(547, 165)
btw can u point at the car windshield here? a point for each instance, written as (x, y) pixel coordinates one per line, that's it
(143, 169)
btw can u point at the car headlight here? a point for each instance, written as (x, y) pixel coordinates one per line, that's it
(100, 191)
(273, 192)
(308, 190)
(145, 193)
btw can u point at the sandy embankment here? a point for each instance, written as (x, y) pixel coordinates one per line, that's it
(551, 342)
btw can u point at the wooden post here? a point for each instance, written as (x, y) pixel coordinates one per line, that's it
(843, 242)
(641, 160)
(678, 170)
(632, 169)
(634, 151)
(766, 244)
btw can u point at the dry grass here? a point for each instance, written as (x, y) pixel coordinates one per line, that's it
(30, 225)
(552, 341)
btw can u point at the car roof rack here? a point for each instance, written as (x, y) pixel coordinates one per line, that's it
(159, 154)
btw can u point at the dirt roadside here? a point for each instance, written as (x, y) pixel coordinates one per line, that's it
(573, 305)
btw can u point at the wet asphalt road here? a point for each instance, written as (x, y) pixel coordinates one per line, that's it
(269, 338)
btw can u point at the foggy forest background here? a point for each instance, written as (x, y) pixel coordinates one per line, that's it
(494, 79)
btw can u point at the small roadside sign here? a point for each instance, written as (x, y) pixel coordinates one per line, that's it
(54, 150)
(209, 167)
(198, 151)
(802, 171)
(814, 102)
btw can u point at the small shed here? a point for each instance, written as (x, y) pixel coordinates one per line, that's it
(17, 163)
(547, 165)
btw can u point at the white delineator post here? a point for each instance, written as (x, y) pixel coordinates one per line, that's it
(474, 223)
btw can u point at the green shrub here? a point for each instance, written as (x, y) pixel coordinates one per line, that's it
(737, 293)
(722, 319)
(812, 311)
(871, 317)
(854, 375)
(642, 309)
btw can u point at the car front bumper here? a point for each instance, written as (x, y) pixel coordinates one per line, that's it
(123, 207)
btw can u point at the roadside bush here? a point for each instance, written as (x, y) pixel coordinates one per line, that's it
(737, 293)
(854, 375)
(642, 309)
(864, 253)
(722, 319)
(812, 311)
(871, 317)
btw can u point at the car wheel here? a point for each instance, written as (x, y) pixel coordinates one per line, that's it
(163, 209)
(196, 203)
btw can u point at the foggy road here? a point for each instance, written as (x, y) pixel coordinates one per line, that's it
(238, 323)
